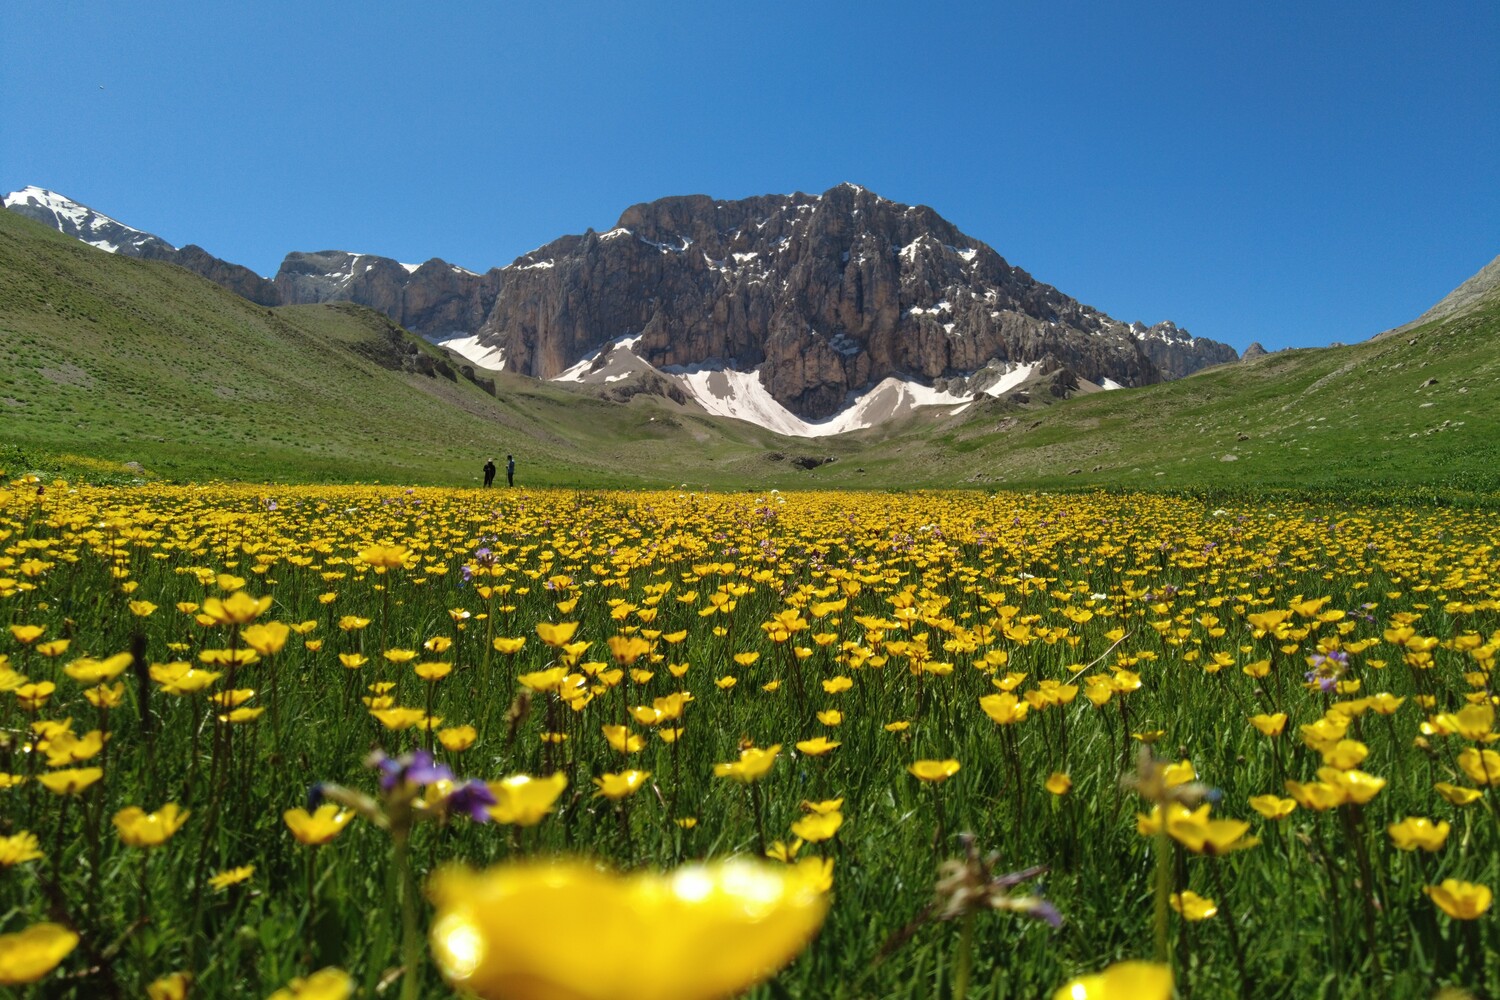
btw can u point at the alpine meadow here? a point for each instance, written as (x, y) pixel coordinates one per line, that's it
(776, 596)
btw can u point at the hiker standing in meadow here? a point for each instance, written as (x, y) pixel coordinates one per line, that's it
(510, 470)
(489, 472)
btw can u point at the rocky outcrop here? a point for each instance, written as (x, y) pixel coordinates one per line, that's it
(824, 294)
(1255, 350)
(234, 277)
(434, 299)
(1177, 353)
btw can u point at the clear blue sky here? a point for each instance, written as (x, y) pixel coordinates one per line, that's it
(1294, 173)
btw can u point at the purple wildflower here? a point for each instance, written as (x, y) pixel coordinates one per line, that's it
(473, 798)
(415, 768)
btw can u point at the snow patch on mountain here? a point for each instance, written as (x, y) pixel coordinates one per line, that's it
(725, 392)
(467, 346)
(610, 363)
(1012, 378)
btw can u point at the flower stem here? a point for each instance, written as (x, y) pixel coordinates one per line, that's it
(1163, 889)
(963, 963)
(411, 941)
(1234, 936)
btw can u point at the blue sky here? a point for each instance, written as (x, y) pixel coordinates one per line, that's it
(1293, 173)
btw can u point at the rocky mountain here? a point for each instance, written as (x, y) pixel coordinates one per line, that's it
(437, 300)
(1177, 353)
(821, 300)
(83, 223)
(823, 295)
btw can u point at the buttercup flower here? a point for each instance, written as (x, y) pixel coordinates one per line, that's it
(18, 848)
(622, 785)
(138, 828)
(754, 763)
(1418, 832)
(1121, 981)
(523, 800)
(28, 955)
(935, 771)
(318, 827)
(1192, 906)
(1460, 900)
(174, 986)
(325, 984)
(70, 781)
(495, 933)
(231, 876)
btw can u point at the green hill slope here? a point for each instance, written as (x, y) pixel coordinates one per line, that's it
(1420, 408)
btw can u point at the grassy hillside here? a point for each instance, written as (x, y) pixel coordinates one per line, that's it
(120, 360)
(1422, 408)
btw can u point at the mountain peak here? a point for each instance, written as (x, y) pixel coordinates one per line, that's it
(82, 223)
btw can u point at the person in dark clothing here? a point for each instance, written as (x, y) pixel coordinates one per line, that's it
(489, 472)
(510, 470)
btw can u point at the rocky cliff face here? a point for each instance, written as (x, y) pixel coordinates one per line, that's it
(235, 277)
(824, 293)
(1177, 353)
(433, 299)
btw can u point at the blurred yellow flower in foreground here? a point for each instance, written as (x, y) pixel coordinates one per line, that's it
(1457, 794)
(456, 739)
(318, 827)
(1460, 900)
(238, 608)
(818, 827)
(27, 634)
(170, 987)
(19, 848)
(754, 763)
(934, 770)
(138, 828)
(1192, 906)
(28, 955)
(383, 557)
(267, 639)
(1482, 766)
(621, 785)
(325, 984)
(512, 932)
(1418, 832)
(524, 800)
(1121, 981)
(231, 876)
(556, 635)
(71, 781)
